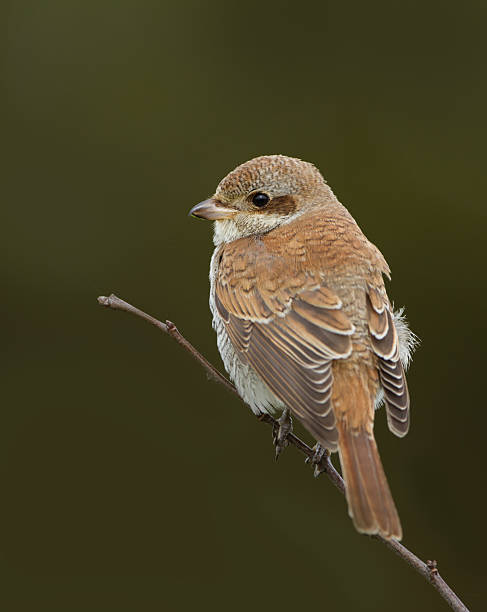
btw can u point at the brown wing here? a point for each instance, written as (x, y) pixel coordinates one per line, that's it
(288, 326)
(385, 344)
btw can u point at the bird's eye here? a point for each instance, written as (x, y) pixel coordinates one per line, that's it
(260, 199)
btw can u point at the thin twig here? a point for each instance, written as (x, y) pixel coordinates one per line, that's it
(428, 570)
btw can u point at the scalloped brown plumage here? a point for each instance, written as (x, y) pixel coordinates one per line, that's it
(303, 320)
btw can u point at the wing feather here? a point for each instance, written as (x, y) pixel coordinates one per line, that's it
(289, 328)
(385, 343)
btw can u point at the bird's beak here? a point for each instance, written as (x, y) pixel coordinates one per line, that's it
(212, 210)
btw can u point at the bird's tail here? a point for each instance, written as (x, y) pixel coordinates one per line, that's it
(370, 502)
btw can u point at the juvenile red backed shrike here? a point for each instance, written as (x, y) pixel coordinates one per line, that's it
(303, 321)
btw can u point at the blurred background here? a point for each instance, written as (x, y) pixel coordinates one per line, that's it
(129, 482)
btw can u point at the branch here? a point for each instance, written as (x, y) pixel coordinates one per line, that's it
(428, 570)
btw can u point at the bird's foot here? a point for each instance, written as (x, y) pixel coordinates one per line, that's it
(317, 459)
(280, 431)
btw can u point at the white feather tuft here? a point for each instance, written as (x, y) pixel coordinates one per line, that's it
(408, 341)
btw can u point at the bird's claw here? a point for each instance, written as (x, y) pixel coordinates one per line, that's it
(281, 429)
(317, 459)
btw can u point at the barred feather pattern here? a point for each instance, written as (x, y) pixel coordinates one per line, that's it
(393, 343)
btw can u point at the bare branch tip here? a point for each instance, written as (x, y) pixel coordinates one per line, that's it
(111, 301)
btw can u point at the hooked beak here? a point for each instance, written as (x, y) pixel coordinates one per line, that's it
(211, 210)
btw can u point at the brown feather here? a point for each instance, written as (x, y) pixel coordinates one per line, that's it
(285, 322)
(298, 298)
(295, 307)
(370, 502)
(385, 344)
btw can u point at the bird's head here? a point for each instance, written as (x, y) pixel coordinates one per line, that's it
(262, 194)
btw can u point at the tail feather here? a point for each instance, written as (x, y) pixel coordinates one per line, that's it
(370, 502)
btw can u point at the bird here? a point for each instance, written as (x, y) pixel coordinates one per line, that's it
(303, 322)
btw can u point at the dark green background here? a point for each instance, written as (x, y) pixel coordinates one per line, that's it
(128, 481)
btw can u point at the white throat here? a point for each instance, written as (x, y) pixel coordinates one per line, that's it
(243, 225)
